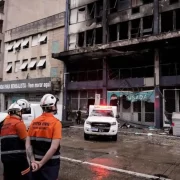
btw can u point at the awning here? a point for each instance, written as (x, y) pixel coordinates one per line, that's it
(25, 42)
(41, 63)
(9, 67)
(32, 64)
(18, 43)
(24, 65)
(10, 47)
(42, 38)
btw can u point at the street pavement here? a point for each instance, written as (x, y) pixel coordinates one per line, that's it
(132, 157)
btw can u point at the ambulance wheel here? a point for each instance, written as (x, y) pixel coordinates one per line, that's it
(86, 136)
(114, 138)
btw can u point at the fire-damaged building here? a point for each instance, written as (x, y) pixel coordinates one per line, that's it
(128, 52)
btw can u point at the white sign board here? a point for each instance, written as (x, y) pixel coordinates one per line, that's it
(97, 99)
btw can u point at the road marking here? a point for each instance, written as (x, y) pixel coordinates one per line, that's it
(146, 176)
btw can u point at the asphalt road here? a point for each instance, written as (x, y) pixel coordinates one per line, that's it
(130, 158)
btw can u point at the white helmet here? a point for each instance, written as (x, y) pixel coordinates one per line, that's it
(48, 100)
(14, 107)
(23, 103)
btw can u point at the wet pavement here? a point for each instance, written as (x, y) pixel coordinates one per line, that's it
(131, 154)
(73, 171)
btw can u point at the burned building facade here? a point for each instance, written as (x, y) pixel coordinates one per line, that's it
(127, 51)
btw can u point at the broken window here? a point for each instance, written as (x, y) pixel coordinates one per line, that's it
(147, 25)
(173, 1)
(91, 11)
(113, 6)
(136, 3)
(99, 8)
(92, 75)
(135, 28)
(147, 1)
(98, 36)
(177, 19)
(90, 37)
(82, 14)
(81, 39)
(167, 21)
(135, 10)
(123, 31)
(113, 33)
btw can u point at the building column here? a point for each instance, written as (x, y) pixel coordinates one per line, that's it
(2, 100)
(104, 21)
(64, 113)
(158, 97)
(104, 81)
(156, 17)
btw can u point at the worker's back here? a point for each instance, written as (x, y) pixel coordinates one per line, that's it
(12, 145)
(42, 131)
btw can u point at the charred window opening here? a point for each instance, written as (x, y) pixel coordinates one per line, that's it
(92, 75)
(123, 31)
(113, 6)
(91, 11)
(81, 39)
(135, 3)
(135, 10)
(178, 19)
(98, 36)
(89, 37)
(99, 8)
(147, 25)
(82, 14)
(167, 21)
(135, 28)
(147, 1)
(173, 1)
(113, 33)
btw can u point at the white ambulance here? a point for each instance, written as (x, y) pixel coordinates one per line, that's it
(102, 120)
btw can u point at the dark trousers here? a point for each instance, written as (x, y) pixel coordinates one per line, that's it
(47, 173)
(17, 171)
(78, 120)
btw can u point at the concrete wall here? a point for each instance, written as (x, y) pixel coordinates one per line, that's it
(55, 38)
(21, 12)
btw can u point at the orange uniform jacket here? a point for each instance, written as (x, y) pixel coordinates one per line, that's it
(12, 145)
(42, 131)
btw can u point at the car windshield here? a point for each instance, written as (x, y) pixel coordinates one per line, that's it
(106, 113)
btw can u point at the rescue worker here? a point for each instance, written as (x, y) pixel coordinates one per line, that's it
(78, 118)
(43, 141)
(13, 152)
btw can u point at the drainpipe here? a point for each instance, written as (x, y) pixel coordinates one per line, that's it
(66, 40)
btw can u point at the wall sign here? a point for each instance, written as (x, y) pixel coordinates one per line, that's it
(27, 85)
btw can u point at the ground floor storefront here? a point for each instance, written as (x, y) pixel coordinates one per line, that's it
(29, 89)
